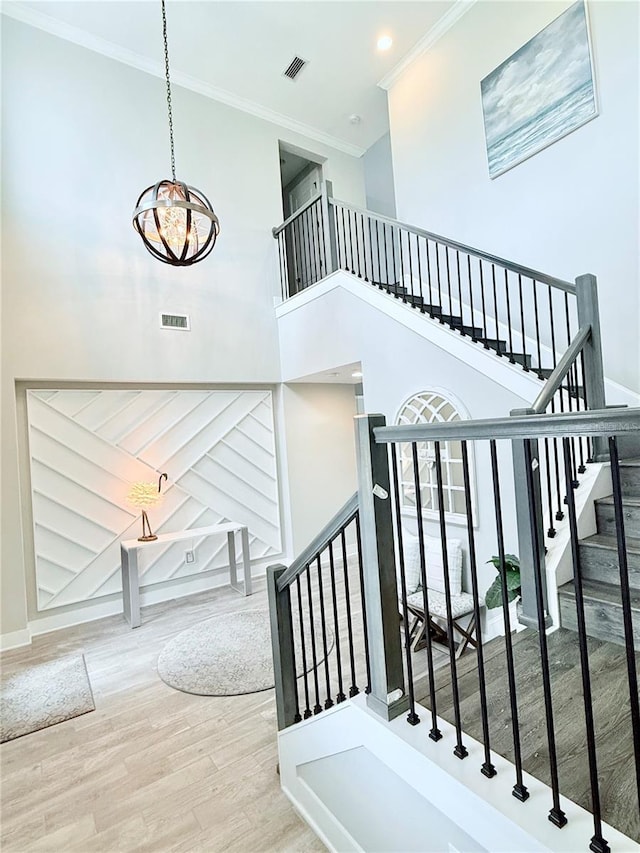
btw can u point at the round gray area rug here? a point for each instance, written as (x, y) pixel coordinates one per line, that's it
(226, 656)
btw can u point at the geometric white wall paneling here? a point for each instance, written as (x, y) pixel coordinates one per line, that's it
(140, 406)
(231, 459)
(185, 442)
(221, 479)
(67, 405)
(219, 451)
(173, 407)
(232, 507)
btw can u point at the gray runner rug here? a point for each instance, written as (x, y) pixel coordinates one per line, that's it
(44, 695)
(225, 656)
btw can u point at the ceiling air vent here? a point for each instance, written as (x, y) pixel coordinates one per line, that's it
(295, 67)
(175, 321)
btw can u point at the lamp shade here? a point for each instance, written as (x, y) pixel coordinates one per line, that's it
(144, 495)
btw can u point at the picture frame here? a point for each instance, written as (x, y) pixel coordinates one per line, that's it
(541, 93)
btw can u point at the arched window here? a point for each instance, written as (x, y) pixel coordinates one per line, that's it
(432, 407)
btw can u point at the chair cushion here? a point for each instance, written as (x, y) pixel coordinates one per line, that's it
(435, 564)
(461, 604)
(411, 563)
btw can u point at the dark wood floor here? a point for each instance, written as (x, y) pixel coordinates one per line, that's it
(610, 690)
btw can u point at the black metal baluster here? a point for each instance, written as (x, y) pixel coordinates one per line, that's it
(353, 689)
(473, 318)
(370, 252)
(495, 307)
(598, 843)
(410, 269)
(581, 407)
(460, 306)
(303, 643)
(556, 815)
(460, 751)
(488, 769)
(537, 320)
(412, 718)
(355, 222)
(429, 278)
(306, 255)
(419, 272)
(586, 406)
(393, 255)
(484, 308)
(559, 512)
(437, 246)
(351, 253)
(627, 617)
(446, 255)
(364, 606)
(520, 791)
(435, 733)
(524, 347)
(401, 254)
(328, 702)
(317, 708)
(551, 532)
(341, 696)
(283, 281)
(320, 246)
(572, 387)
(379, 278)
(509, 325)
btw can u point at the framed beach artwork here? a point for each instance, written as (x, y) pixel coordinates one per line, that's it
(544, 91)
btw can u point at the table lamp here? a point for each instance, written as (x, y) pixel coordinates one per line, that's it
(143, 496)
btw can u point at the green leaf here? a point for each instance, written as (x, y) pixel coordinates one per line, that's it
(493, 596)
(513, 580)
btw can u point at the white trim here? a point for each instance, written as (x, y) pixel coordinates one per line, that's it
(15, 639)
(121, 54)
(510, 376)
(443, 25)
(149, 595)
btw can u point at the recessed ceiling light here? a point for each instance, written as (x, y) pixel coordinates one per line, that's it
(357, 374)
(384, 42)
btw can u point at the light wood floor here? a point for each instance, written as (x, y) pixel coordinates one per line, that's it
(151, 768)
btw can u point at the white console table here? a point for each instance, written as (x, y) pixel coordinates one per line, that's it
(129, 562)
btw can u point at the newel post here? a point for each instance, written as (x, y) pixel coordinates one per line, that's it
(530, 533)
(282, 647)
(589, 315)
(329, 228)
(387, 697)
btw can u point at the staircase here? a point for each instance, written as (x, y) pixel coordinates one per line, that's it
(600, 566)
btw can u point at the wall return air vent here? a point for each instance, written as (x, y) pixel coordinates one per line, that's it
(295, 67)
(175, 321)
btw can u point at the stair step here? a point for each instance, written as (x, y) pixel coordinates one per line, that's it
(605, 516)
(434, 310)
(629, 445)
(395, 288)
(599, 559)
(459, 325)
(519, 358)
(630, 478)
(577, 391)
(603, 611)
(492, 343)
(416, 301)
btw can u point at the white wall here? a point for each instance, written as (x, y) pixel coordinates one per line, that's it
(346, 320)
(83, 135)
(321, 457)
(570, 209)
(378, 177)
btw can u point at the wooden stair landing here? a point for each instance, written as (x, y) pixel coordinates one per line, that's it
(611, 711)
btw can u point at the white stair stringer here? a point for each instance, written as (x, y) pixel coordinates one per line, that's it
(364, 784)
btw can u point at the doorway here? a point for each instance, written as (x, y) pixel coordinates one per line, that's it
(301, 182)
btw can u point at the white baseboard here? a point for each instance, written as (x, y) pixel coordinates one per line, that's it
(113, 606)
(15, 639)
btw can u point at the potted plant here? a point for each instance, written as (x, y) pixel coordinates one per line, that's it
(493, 596)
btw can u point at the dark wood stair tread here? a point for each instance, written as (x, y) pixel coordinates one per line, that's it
(626, 502)
(610, 543)
(606, 593)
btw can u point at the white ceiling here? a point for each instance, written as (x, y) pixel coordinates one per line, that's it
(236, 51)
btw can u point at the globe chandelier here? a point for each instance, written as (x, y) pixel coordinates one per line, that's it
(176, 222)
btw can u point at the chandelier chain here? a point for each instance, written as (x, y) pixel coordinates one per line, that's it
(169, 110)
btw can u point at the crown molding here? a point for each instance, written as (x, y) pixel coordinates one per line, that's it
(460, 8)
(107, 48)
